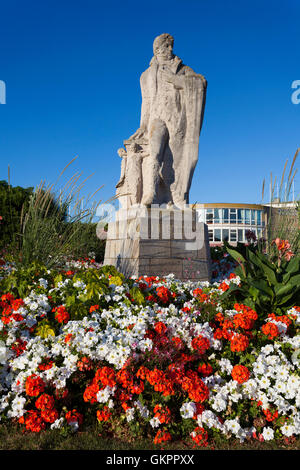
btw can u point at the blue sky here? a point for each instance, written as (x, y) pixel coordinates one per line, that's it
(72, 72)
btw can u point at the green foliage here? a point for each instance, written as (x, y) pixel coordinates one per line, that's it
(44, 329)
(137, 295)
(48, 225)
(268, 283)
(21, 281)
(12, 201)
(85, 241)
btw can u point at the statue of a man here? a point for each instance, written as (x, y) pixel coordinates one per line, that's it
(173, 101)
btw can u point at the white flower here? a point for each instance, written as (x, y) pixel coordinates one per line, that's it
(3, 352)
(268, 434)
(225, 365)
(264, 382)
(268, 349)
(154, 422)
(287, 430)
(130, 414)
(57, 424)
(104, 394)
(43, 283)
(188, 410)
(232, 425)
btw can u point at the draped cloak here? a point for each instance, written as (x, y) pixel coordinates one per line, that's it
(182, 110)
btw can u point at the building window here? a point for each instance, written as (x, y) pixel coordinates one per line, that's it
(217, 216)
(240, 235)
(225, 235)
(259, 217)
(211, 235)
(217, 235)
(233, 235)
(209, 216)
(232, 213)
(240, 215)
(247, 216)
(225, 214)
(253, 217)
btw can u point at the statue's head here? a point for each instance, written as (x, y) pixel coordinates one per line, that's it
(163, 46)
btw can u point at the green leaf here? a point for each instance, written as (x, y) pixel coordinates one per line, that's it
(44, 330)
(236, 255)
(58, 279)
(116, 280)
(295, 280)
(293, 265)
(262, 286)
(268, 270)
(284, 289)
(286, 277)
(70, 300)
(285, 299)
(254, 292)
(137, 295)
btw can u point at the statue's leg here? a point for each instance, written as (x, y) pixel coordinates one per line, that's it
(135, 178)
(158, 137)
(176, 145)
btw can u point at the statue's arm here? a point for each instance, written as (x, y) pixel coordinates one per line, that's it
(145, 111)
(178, 79)
(188, 72)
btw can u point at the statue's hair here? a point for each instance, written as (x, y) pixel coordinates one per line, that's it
(159, 40)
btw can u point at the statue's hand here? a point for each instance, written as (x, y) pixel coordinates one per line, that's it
(138, 134)
(169, 77)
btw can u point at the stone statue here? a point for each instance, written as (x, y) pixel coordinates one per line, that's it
(160, 157)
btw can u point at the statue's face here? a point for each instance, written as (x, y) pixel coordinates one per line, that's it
(165, 51)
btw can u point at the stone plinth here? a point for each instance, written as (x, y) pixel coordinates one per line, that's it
(158, 242)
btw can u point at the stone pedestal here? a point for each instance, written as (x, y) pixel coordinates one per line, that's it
(157, 242)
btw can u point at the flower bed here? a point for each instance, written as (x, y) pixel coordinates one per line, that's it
(166, 358)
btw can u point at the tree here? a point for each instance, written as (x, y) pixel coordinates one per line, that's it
(12, 201)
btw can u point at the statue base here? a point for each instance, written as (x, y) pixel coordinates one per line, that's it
(157, 242)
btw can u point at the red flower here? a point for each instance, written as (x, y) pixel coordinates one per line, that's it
(160, 328)
(49, 415)
(201, 344)
(239, 342)
(240, 374)
(200, 436)
(84, 364)
(106, 375)
(195, 387)
(94, 308)
(46, 364)
(163, 414)
(104, 414)
(68, 338)
(164, 294)
(205, 370)
(16, 304)
(19, 346)
(34, 385)
(33, 421)
(90, 393)
(61, 314)
(44, 402)
(270, 330)
(162, 436)
(74, 416)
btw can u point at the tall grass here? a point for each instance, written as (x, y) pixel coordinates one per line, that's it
(283, 216)
(51, 227)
